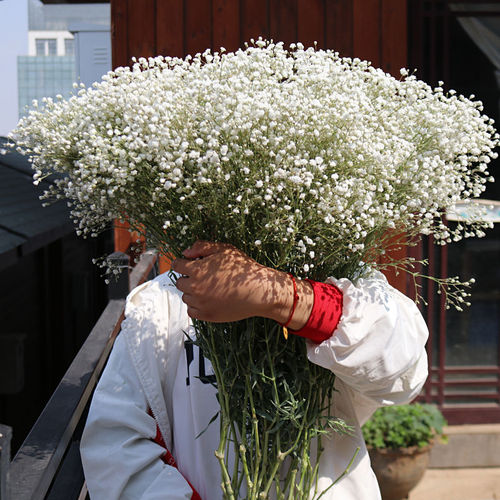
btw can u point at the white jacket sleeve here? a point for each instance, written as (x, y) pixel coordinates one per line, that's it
(378, 347)
(120, 459)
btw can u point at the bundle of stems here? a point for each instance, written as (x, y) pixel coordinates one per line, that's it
(275, 408)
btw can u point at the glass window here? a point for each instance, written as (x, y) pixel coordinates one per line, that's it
(46, 46)
(69, 46)
(40, 47)
(52, 47)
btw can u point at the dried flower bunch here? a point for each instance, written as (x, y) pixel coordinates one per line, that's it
(306, 161)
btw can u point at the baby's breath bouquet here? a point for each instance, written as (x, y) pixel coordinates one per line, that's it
(308, 162)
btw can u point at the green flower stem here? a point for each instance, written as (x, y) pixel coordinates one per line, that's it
(263, 466)
(258, 454)
(225, 425)
(236, 479)
(229, 493)
(316, 465)
(243, 451)
(274, 470)
(255, 436)
(291, 486)
(303, 469)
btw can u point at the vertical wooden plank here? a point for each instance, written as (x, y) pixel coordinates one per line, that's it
(119, 33)
(170, 28)
(254, 20)
(392, 55)
(283, 21)
(395, 36)
(446, 45)
(396, 251)
(122, 236)
(141, 28)
(397, 280)
(120, 57)
(164, 264)
(339, 26)
(442, 327)
(367, 33)
(311, 22)
(432, 299)
(226, 24)
(431, 48)
(415, 34)
(197, 26)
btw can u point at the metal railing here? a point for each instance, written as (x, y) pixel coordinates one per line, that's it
(47, 465)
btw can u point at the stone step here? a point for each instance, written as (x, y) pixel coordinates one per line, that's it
(458, 484)
(468, 446)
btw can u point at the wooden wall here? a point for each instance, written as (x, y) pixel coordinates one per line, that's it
(369, 29)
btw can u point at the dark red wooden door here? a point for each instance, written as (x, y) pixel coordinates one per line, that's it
(368, 29)
(464, 347)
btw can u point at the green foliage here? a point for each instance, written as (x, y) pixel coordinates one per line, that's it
(404, 426)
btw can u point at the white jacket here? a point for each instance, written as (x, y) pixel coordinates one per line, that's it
(377, 353)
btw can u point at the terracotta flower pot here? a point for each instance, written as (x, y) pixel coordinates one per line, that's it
(399, 470)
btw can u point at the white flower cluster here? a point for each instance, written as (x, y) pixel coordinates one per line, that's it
(300, 157)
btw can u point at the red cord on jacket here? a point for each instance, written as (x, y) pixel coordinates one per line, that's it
(168, 458)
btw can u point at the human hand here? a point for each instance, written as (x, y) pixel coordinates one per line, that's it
(221, 283)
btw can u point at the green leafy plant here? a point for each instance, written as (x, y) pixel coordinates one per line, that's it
(404, 426)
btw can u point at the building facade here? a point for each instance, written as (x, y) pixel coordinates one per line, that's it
(52, 64)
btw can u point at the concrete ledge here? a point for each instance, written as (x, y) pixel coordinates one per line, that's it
(458, 484)
(468, 446)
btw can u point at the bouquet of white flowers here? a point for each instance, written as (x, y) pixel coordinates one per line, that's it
(308, 162)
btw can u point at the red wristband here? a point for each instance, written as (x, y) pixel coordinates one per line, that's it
(325, 313)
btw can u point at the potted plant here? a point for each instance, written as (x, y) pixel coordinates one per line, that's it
(399, 439)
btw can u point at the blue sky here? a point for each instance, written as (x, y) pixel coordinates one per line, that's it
(13, 42)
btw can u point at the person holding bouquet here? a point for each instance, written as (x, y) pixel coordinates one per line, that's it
(232, 378)
(148, 434)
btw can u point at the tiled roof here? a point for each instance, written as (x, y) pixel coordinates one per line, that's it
(25, 225)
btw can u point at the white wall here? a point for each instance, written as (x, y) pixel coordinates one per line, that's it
(58, 35)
